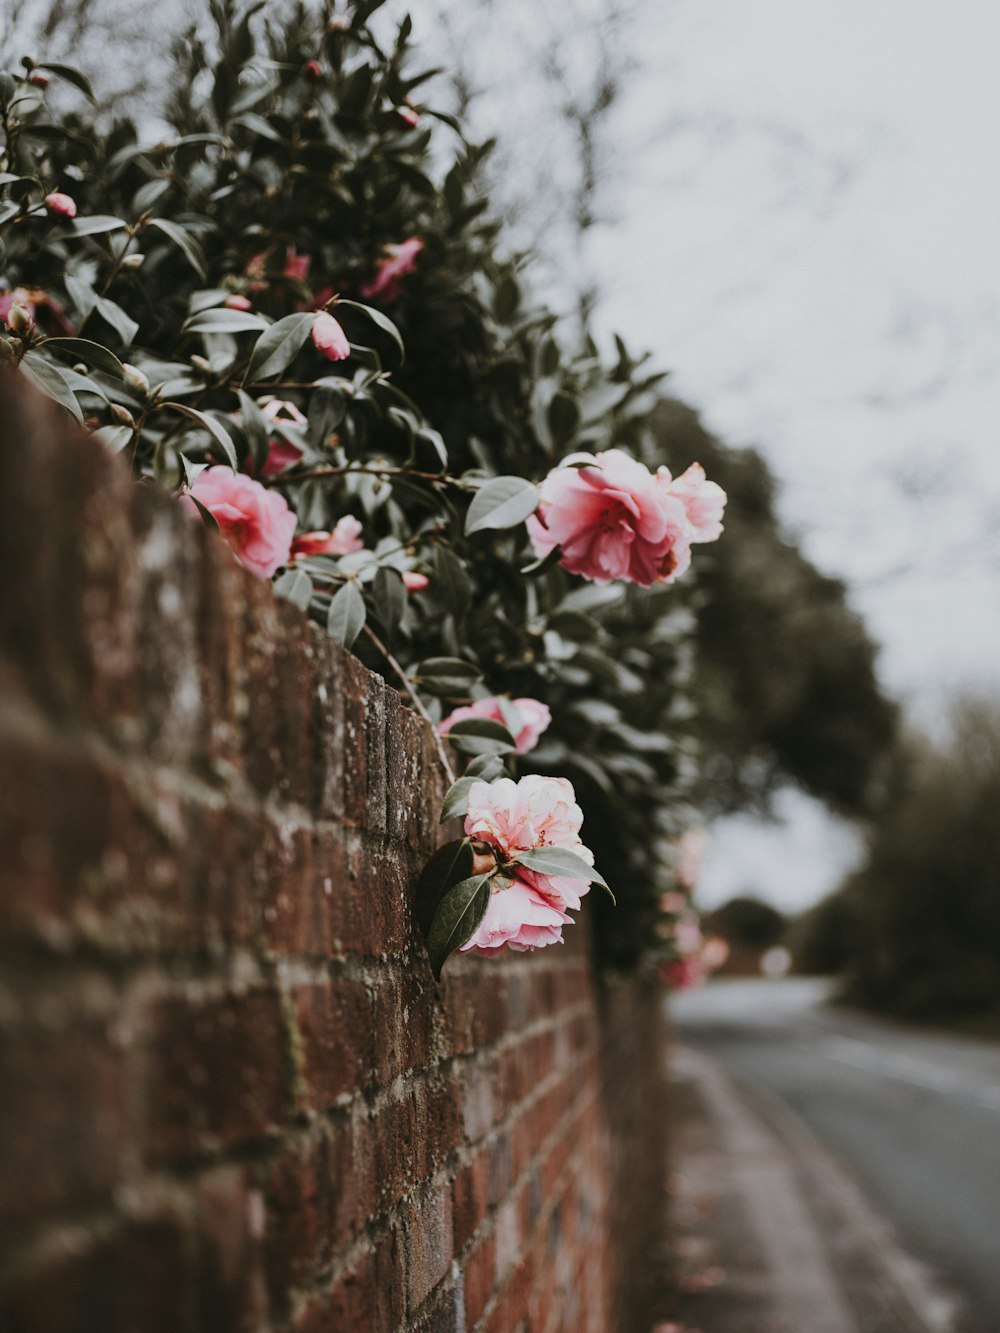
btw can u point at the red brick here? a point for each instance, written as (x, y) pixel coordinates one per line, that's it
(218, 1072)
(140, 1277)
(230, 1220)
(469, 1199)
(335, 1041)
(428, 1245)
(406, 1022)
(62, 1119)
(478, 1276)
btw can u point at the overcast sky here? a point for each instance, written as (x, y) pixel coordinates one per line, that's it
(804, 225)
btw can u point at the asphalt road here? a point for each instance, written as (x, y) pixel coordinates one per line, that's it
(914, 1116)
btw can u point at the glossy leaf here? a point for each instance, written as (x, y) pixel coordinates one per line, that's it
(449, 864)
(346, 617)
(503, 502)
(459, 915)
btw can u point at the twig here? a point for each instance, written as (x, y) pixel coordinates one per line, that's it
(408, 687)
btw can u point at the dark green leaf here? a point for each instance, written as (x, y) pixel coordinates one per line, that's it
(481, 735)
(487, 768)
(49, 379)
(502, 502)
(563, 417)
(451, 581)
(295, 586)
(90, 353)
(447, 675)
(457, 919)
(278, 346)
(346, 617)
(96, 225)
(186, 243)
(456, 800)
(220, 319)
(389, 596)
(449, 864)
(381, 322)
(560, 861)
(70, 75)
(115, 437)
(124, 325)
(218, 432)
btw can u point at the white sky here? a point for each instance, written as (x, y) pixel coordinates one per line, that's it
(804, 225)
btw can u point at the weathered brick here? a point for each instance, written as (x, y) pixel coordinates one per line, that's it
(428, 1244)
(230, 1217)
(470, 1198)
(478, 1272)
(62, 1119)
(218, 1070)
(334, 1040)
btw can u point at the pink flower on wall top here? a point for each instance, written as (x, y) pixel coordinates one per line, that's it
(613, 519)
(255, 522)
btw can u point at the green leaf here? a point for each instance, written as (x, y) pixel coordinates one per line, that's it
(90, 353)
(447, 675)
(70, 75)
(486, 768)
(49, 379)
(96, 225)
(560, 861)
(81, 294)
(456, 799)
(481, 735)
(389, 596)
(186, 243)
(218, 432)
(457, 919)
(451, 581)
(381, 322)
(563, 416)
(295, 586)
(124, 325)
(507, 298)
(502, 503)
(116, 438)
(449, 864)
(220, 319)
(346, 617)
(278, 346)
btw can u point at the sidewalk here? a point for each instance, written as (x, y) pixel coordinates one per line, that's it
(769, 1234)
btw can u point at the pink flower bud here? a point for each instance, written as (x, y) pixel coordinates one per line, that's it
(236, 302)
(329, 338)
(60, 205)
(408, 116)
(312, 70)
(414, 582)
(19, 319)
(39, 78)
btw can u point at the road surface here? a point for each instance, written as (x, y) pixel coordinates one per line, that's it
(914, 1116)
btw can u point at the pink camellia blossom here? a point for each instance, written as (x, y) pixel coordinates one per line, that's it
(329, 338)
(525, 718)
(704, 501)
(237, 302)
(61, 205)
(281, 455)
(296, 266)
(517, 918)
(414, 582)
(256, 522)
(343, 540)
(612, 519)
(312, 70)
(409, 116)
(280, 410)
(397, 261)
(691, 848)
(520, 816)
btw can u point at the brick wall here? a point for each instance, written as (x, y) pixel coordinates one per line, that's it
(232, 1095)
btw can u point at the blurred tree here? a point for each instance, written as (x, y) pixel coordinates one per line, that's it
(747, 923)
(927, 900)
(785, 678)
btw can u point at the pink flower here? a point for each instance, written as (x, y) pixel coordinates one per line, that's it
(682, 973)
(296, 265)
(519, 918)
(535, 812)
(612, 520)
(61, 205)
(525, 718)
(414, 582)
(256, 522)
(345, 538)
(409, 116)
(39, 78)
(312, 70)
(281, 455)
(329, 338)
(280, 410)
(704, 501)
(395, 264)
(237, 302)
(691, 848)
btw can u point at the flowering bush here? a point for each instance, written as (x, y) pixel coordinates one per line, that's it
(284, 313)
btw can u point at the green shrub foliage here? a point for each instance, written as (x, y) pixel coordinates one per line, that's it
(164, 289)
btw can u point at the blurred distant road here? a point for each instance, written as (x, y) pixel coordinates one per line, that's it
(914, 1116)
